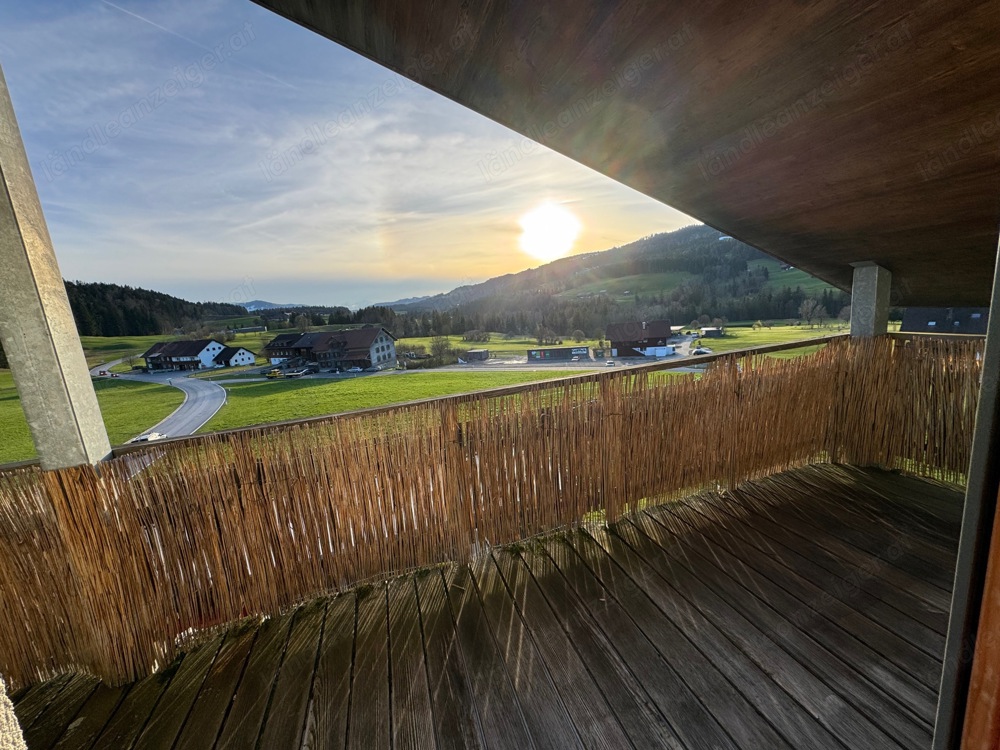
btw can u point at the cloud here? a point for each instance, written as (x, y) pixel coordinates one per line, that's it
(275, 155)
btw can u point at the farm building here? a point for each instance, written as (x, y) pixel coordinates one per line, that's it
(967, 320)
(356, 347)
(235, 356)
(639, 338)
(477, 355)
(558, 353)
(183, 355)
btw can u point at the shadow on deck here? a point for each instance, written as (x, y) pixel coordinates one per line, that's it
(807, 610)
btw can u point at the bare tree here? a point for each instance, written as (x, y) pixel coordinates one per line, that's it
(812, 310)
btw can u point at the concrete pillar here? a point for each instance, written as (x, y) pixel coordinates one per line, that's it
(870, 299)
(36, 324)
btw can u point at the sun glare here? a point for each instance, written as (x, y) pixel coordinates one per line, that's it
(548, 232)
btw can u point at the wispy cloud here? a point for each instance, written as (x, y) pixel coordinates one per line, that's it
(389, 203)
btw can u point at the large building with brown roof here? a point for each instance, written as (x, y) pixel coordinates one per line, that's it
(336, 350)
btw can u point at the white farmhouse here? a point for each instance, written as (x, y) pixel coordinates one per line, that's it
(183, 355)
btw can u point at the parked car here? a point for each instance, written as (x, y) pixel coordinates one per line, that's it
(147, 437)
(354, 369)
(609, 363)
(701, 350)
(102, 372)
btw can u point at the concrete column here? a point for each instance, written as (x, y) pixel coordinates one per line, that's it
(36, 324)
(870, 299)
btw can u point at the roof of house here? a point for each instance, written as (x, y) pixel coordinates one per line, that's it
(321, 341)
(283, 341)
(178, 348)
(633, 330)
(231, 351)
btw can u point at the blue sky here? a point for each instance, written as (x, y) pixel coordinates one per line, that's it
(213, 150)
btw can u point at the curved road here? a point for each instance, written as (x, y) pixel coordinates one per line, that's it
(202, 399)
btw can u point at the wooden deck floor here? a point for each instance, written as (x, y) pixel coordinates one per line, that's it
(806, 612)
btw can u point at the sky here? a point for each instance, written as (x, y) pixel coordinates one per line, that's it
(215, 151)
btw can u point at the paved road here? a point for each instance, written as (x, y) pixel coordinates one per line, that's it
(202, 399)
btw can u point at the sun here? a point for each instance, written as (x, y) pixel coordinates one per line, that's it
(548, 232)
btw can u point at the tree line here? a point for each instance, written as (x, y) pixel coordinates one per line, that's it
(114, 310)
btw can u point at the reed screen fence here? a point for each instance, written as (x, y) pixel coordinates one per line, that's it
(106, 569)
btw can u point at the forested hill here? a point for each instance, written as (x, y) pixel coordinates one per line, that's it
(113, 310)
(690, 273)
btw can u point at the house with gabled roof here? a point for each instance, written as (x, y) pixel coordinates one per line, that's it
(234, 356)
(183, 355)
(357, 347)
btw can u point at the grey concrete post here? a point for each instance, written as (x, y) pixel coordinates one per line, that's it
(36, 324)
(870, 299)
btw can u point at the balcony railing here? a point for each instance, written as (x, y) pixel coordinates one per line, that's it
(104, 569)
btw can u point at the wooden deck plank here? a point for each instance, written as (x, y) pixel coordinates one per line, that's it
(858, 568)
(923, 507)
(42, 735)
(92, 717)
(724, 679)
(904, 552)
(882, 517)
(548, 722)
(500, 712)
(286, 714)
(246, 714)
(864, 588)
(905, 671)
(412, 716)
(174, 706)
(878, 556)
(456, 721)
(624, 689)
(326, 721)
(36, 699)
(370, 722)
(135, 710)
(595, 721)
(851, 709)
(202, 726)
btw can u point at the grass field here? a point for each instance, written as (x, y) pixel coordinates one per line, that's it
(129, 409)
(259, 403)
(497, 344)
(745, 338)
(792, 278)
(645, 283)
